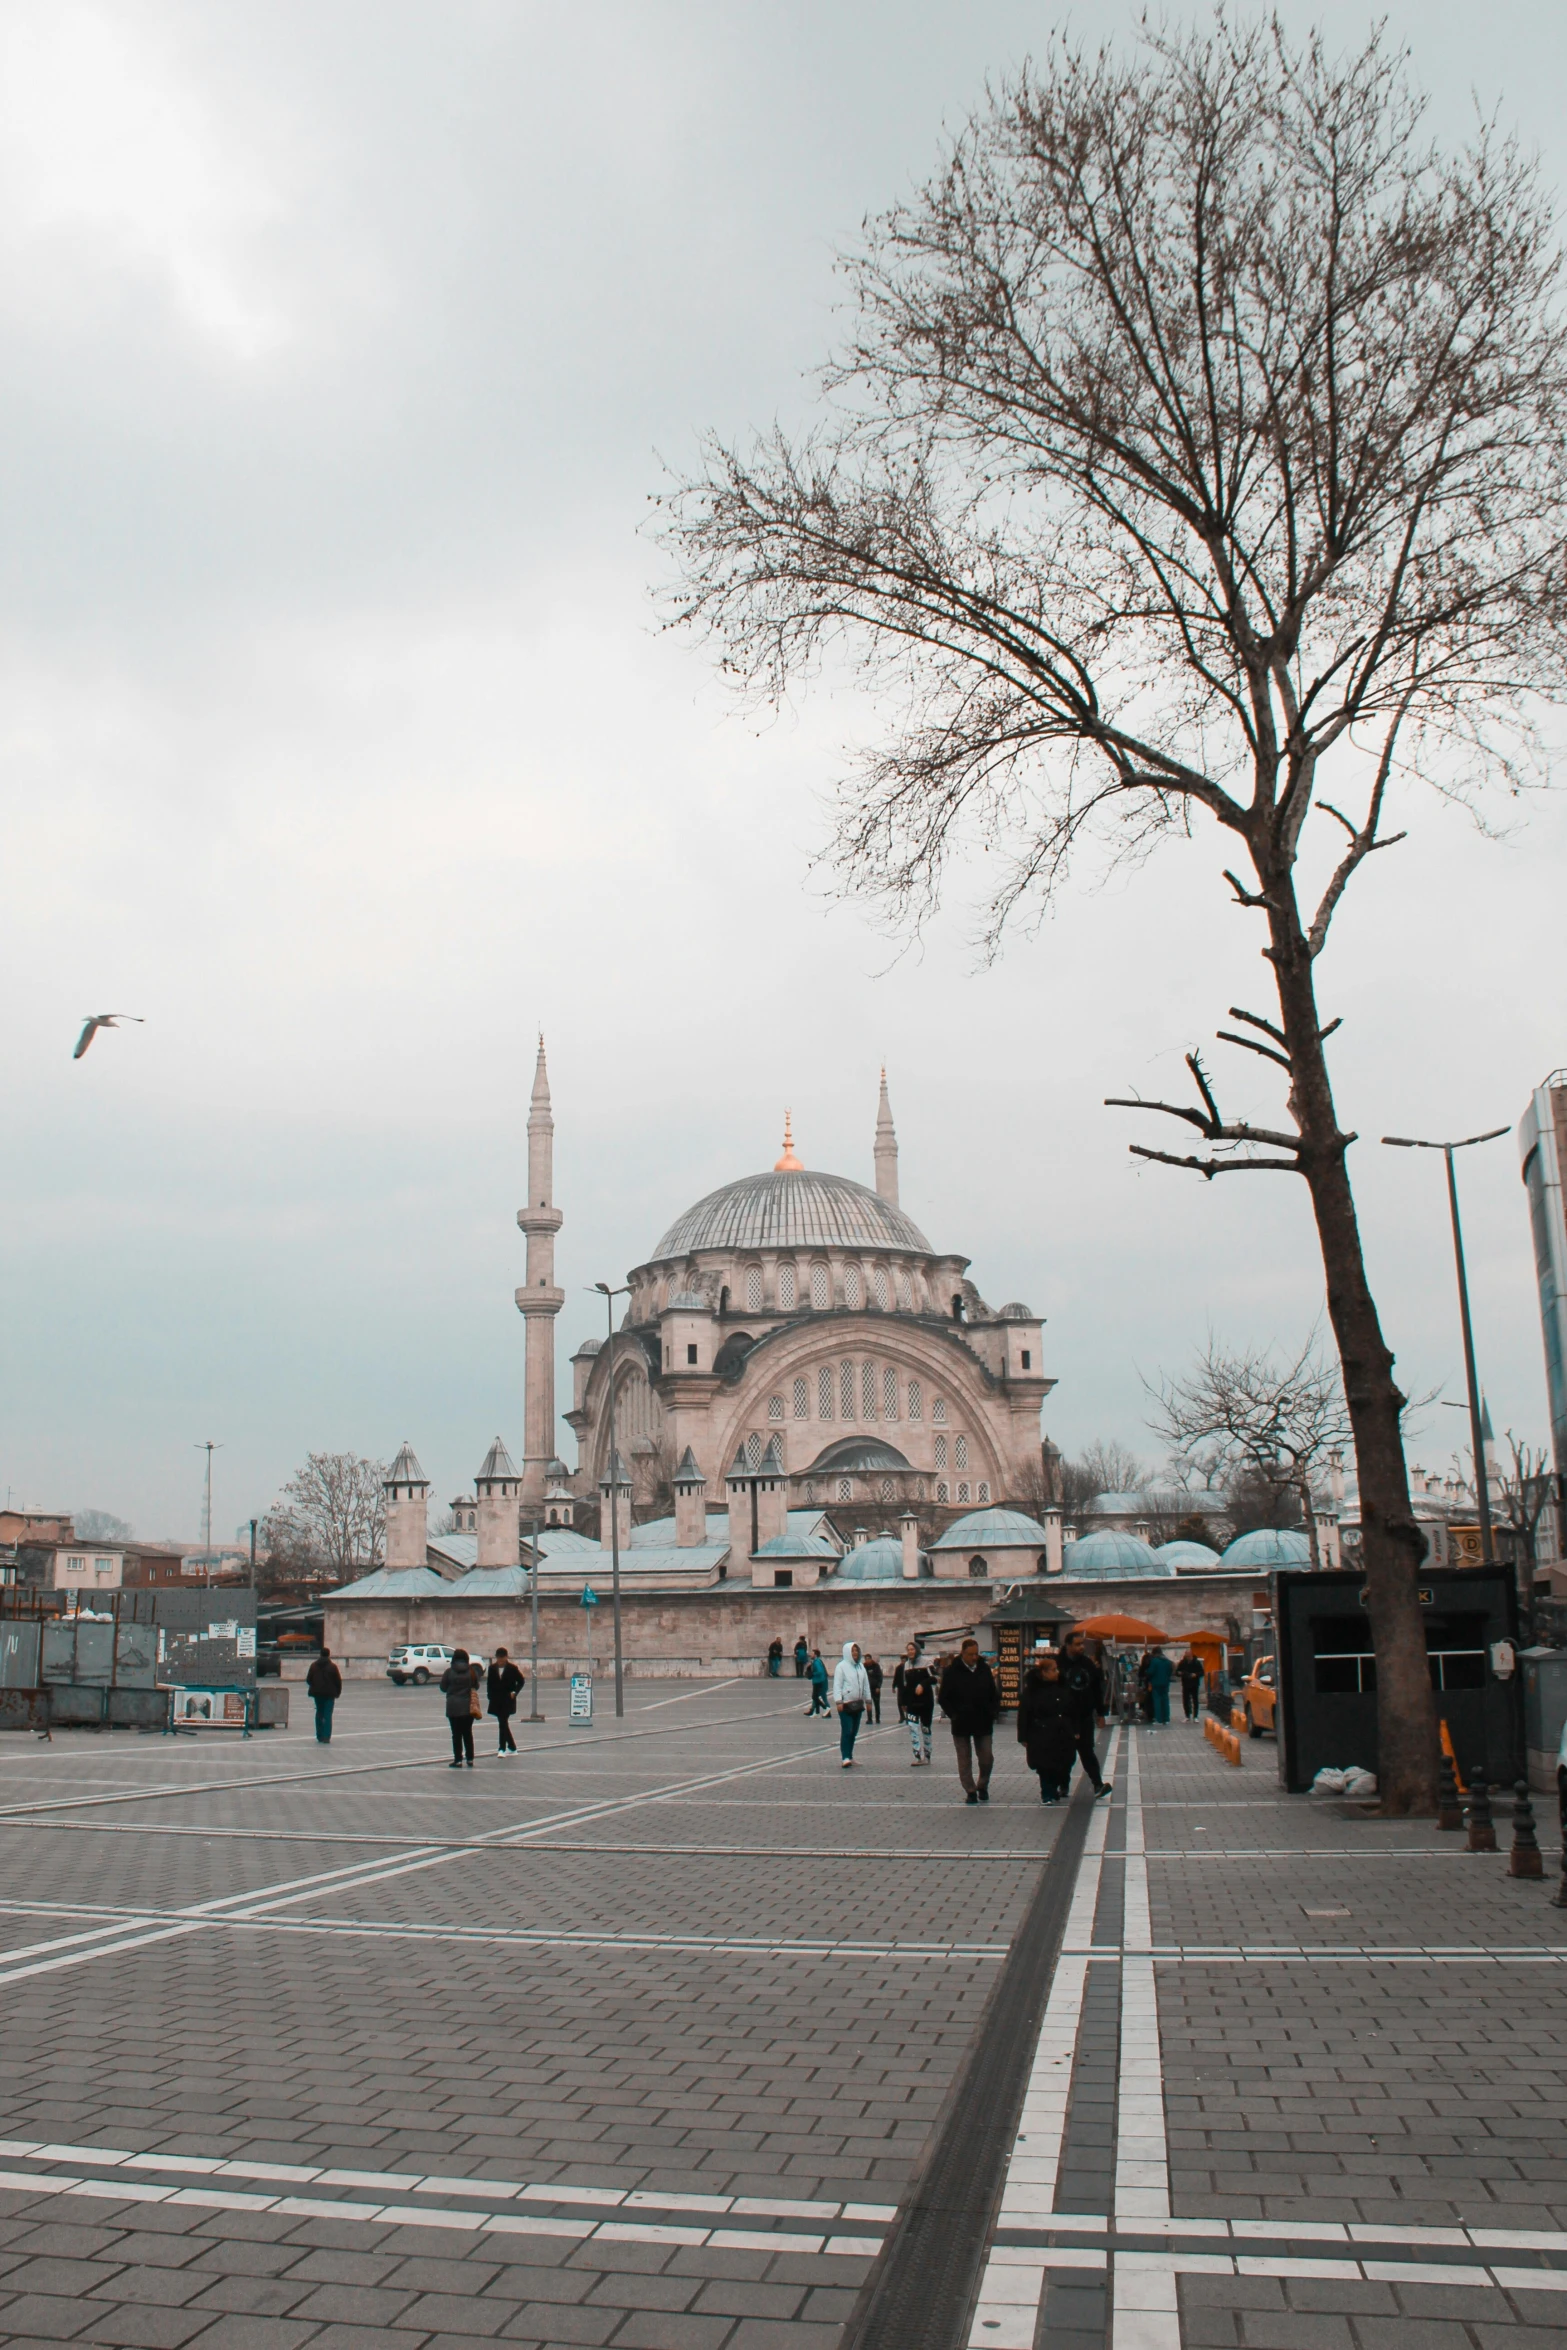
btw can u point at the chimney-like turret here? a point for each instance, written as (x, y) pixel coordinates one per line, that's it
(407, 1492)
(615, 1494)
(886, 1148)
(690, 1502)
(909, 1528)
(497, 1486)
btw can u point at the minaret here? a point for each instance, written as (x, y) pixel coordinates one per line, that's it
(886, 1148)
(539, 1301)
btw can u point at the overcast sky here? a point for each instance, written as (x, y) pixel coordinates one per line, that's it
(339, 348)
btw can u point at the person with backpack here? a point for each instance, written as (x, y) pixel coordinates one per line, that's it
(915, 1687)
(502, 1683)
(817, 1676)
(460, 1683)
(851, 1695)
(325, 1684)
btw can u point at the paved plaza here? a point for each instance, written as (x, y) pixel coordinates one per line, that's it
(646, 2038)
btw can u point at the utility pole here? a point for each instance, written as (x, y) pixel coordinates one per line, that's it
(609, 1296)
(1404, 1142)
(533, 1629)
(209, 1448)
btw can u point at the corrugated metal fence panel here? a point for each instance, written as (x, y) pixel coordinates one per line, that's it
(19, 1645)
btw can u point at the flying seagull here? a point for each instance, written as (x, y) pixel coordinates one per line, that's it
(97, 1020)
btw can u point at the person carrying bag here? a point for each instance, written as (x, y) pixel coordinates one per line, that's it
(460, 1683)
(851, 1694)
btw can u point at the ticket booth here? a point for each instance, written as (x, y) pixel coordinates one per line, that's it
(1017, 1624)
(1328, 1675)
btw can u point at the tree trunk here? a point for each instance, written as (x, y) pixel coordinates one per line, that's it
(1392, 1545)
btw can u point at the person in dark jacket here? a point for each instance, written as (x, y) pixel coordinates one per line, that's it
(1047, 1724)
(971, 1701)
(818, 1677)
(460, 1681)
(914, 1685)
(325, 1684)
(802, 1657)
(875, 1676)
(502, 1683)
(1190, 1674)
(1085, 1685)
(774, 1659)
(1160, 1674)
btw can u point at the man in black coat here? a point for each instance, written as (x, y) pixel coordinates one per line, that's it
(501, 1684)
(971, 1701)
(1191, 1677)
(325, 1684)
(1084, 1684)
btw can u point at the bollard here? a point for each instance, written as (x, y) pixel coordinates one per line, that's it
(1482, 1832)
(1524, 1859)
(1448, 1812)
(1235, 1750)
(1559, 1897)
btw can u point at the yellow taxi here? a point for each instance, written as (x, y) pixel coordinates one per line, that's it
(1259, 1698)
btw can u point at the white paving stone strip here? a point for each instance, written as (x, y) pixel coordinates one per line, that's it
(1144, 2307)
(1002, 2318)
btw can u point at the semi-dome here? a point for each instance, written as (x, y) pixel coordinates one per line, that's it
(878, 1561)
(1268, 1546)
(1187, 1557)
(1001, 1529)
(792, 1210)
(1111, 1555)
(852, 1454)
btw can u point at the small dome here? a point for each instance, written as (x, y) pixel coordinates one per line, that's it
(879, 1561)
(1014, 1313)
(1112, 1555)
(1268, 1546)
(1117, 1505)
(856, 1454)
(1187, 1557)
(789, 1209)
(1000, 1529)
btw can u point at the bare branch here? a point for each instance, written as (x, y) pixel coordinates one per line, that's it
(1212, 1167)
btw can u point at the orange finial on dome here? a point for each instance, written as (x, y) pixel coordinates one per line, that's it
(788, 1164)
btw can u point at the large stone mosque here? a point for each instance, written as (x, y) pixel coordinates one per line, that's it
(802, 1396)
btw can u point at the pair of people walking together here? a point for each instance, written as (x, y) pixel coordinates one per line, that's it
(461, 1683)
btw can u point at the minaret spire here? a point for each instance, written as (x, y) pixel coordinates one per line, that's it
(539, 1301)
(886, 1148)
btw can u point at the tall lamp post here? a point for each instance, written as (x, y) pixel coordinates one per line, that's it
(609, 1296)
(1405, 1142)
(207, 1446)
(533, 1628)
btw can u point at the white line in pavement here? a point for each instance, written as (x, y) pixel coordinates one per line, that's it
(111, 1942)
(1147, 2309)
(687, 1695)
(1029, 2190)
(1145, 2313)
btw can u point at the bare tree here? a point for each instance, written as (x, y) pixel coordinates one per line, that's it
(1265, 1424)
(331, 1516)
(101, 1526)
(1197, 450)
(1104, 1466)
(1524, 1490)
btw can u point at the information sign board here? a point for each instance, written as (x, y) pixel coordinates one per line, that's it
(580, 1710)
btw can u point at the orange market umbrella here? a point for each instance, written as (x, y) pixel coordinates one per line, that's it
(1120, 1628)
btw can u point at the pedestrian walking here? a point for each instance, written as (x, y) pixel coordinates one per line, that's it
(1085, 1684)
(817, 1676)
(1160, 1674)
(875, 1676)
(914, 1685)
(802, 1657)
(1191, 1676)
(325, 1684)
(460, 1683)
(1143, 1687)
(502, 1683)
(1046, 1724)
(851, 1694)
(971, 1701)
(774, 1659)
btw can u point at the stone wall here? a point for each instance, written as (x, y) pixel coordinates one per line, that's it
(669, 1633)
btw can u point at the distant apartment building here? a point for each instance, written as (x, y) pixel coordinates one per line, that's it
(1542, 1148)
(114, 1566)
(18, 1528)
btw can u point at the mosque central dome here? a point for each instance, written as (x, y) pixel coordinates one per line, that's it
(792, 1210)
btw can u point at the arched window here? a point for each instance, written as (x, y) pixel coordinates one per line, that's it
(984, 1494)
(963, 1492)
(801, 1399)
(821, 1289)
(887, 1493)
(824, 1392)
(753, 1289)
(868, 1391)
(938, 1410)
(960, 1452)
(978, 1567)
(846, 1392)
(852, 1291)
(916, 1399)
(941, 1452)
(882, 1300)
(846, 1489)
(941, 1493)
(889, 1394)
(775, 1407)
(905, 1294)
(786, 1285)
(753, 1449)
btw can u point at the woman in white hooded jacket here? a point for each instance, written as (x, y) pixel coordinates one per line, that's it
(851, 1694)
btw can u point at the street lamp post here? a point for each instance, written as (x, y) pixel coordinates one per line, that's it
(207, 1446)
(1405, 1142)
(533, 1629)
(609, 1296)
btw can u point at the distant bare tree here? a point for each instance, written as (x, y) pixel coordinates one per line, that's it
(1105, 1466)
(331, 1517)
(1267, 1424)
(100, 1526)
(1525, 1490)
(1200, 445)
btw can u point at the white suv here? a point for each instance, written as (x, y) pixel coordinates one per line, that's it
(418, 1662)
